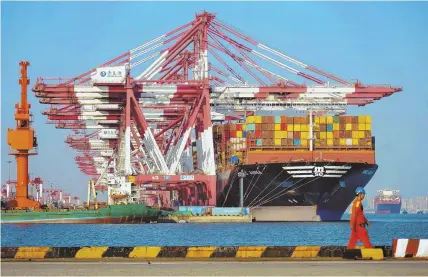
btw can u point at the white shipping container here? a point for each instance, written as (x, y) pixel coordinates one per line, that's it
(348, 141)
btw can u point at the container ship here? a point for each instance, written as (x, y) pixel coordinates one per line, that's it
(295, 167)
(387, 201)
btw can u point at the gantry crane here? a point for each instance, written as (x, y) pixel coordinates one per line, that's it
(142, 128)
(22, 139)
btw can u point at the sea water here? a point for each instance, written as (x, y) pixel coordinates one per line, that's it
(384, 228)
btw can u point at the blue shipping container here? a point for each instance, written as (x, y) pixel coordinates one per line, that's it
(277, 119)
(259, 141)
(230, 211)
(329, 128)
(296, 142)
(251, 127)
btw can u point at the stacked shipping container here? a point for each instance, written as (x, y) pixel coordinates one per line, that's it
(260, 132)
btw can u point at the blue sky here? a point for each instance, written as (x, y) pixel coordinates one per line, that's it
(378, 43)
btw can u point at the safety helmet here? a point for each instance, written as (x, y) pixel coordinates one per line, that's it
(360, 190)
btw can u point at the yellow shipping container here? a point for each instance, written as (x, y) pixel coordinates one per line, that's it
(277, 141)
(361, 134)
(329, 120)
(329, 135)
(251, 119)
(336, 127)
(304, 127)
(342, 142)
(322, 120)
(278, 134)
(284, 134)
(368, 119)
(368, 127)
(258, 119)
(354, 141)
(323, 135)
(290, 127)
(277, 127)
(304, 142)
(361, 126)
(239, 134)
(354, 134)
(362, 119)
(348, 126)
(317, 119)
(244, 127)
(304, 135)
(330, 142)
(296, 128)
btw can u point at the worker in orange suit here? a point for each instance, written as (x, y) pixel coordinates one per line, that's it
(359, 222)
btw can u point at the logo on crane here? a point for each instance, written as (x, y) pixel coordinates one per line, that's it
(111, 73)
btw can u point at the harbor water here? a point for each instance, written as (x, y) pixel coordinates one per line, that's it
(383, 229)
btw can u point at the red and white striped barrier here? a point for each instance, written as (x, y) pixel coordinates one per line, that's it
(408, 248)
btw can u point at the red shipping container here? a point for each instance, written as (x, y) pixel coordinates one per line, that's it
(271, 119)
(233, 134)
(348, 119)
(258, 134)
(238, 127)
(283, 126)
(259, 127)
(336, 134)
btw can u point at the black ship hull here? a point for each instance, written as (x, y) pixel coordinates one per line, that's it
(328, 186)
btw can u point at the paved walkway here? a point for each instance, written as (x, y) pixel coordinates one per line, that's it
(186, 268)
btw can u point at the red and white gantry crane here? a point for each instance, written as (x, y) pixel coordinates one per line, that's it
(139, 128)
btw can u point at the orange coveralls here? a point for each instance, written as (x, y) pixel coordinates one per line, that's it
(358, 232)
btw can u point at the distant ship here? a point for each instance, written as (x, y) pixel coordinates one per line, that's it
(388, 201)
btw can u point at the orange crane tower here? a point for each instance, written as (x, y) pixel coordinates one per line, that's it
(22, 139)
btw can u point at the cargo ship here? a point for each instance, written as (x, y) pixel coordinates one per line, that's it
(295, 167)
(387, 201)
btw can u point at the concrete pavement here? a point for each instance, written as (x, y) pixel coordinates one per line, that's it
(215, 268)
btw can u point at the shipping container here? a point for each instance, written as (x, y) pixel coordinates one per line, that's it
(230, 211)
